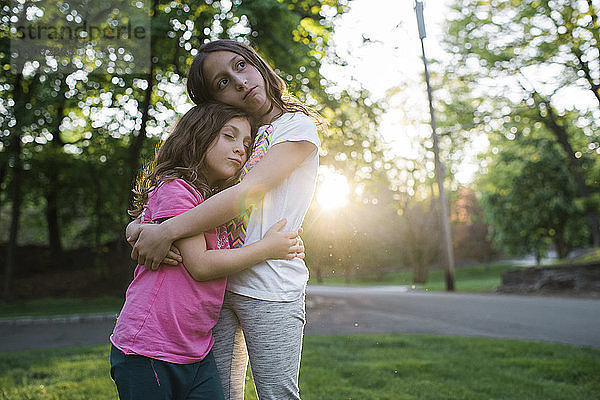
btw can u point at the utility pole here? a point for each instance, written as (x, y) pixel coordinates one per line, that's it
(439, 167)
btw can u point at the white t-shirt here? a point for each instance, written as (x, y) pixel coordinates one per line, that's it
(281, 280)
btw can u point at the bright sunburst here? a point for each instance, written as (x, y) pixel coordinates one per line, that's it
(333, 189)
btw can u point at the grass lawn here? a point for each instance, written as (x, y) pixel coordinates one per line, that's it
(353, 367)
(591, 256)
(60, 306)
(467, 279)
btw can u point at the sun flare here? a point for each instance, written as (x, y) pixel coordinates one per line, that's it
(333, 189)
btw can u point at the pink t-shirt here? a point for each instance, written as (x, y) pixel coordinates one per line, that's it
(167, 315)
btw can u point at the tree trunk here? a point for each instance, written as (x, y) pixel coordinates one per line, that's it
(584, 64)
(52, 214)
(98, 208)
(538, 257)
(576, 169)
(52, 174)
(137, 143)
(14, 151)
(562, 250)
(15, 196)
(3, 173)
(319, 274)
(347, 274)
(420, 274)
(135, 149)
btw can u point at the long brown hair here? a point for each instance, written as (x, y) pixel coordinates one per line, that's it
(275, 87)
(183, 153)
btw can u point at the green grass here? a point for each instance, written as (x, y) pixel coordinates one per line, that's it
(353, 367)
(467, 279)
(592, 256)
(60, 306)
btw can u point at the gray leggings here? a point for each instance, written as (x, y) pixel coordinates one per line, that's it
(273, 342)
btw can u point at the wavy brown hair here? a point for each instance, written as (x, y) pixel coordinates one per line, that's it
(275, 87)
(183, 153)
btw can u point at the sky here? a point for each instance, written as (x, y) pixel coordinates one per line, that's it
(380, 41)
(392, 51)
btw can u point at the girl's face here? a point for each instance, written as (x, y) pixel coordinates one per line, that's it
(229, 151)
(234, 81)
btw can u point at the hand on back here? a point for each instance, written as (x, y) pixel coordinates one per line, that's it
(284, 245)
(151, 247)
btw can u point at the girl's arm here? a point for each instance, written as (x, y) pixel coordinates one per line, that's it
(154, 241)
(172, 258)
(204, 264)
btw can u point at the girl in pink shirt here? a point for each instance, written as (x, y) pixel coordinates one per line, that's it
(161, 344)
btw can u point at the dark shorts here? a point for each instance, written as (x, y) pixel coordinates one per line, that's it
(144, 378)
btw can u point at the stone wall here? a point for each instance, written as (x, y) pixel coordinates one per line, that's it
(567, 279)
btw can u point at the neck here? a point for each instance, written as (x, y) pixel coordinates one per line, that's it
(210, 180)
(271, 115)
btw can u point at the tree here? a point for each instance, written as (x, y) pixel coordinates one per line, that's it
(470, 232)
(511, 59)
(421, 237)
(414, 185)
(529, 198)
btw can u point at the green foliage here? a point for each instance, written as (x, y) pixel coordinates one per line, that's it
(529, 198)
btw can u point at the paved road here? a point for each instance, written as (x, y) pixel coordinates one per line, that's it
(391, 309)
(396, 310)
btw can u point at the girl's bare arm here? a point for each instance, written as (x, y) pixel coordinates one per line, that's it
(154, 241)
(204, 264)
